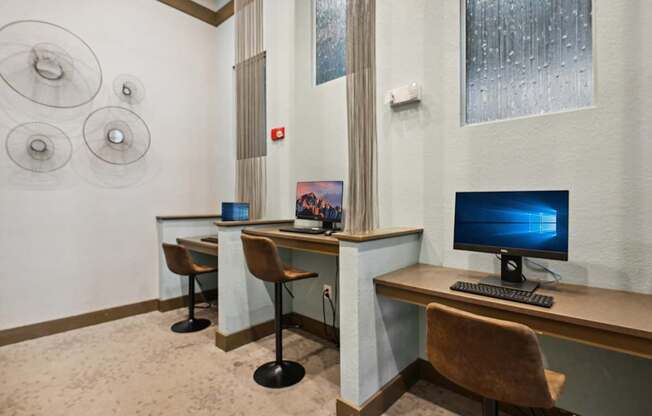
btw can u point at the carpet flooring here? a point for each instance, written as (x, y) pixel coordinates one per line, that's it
(137, 367)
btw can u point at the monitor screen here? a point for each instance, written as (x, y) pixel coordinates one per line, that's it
(530, 223)
(320, 200)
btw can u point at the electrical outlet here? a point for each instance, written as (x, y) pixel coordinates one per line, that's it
(327, 290)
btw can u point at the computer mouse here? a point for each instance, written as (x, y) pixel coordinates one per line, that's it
(328, 232)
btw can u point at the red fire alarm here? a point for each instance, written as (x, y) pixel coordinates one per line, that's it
(278, 133)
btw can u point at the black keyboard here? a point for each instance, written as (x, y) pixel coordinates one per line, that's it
(504, 293)
(303, 230)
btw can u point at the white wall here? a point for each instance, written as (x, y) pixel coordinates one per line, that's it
(84, 238)
(599, 154)
(224, 169)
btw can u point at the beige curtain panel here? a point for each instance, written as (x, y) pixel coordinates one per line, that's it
(251, 113)
(362, 201)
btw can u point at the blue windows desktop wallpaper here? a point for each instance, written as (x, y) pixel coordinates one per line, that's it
(536, 220)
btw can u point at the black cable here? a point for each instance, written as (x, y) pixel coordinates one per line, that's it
(527, 262)
(286, 288)
(327, 295)
(542, 268)
(201, 291)
(337, 343)
(323, 312)
(337, 294)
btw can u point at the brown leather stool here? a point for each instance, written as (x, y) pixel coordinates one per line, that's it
(264, 262)
(179, 262)
(498, 360)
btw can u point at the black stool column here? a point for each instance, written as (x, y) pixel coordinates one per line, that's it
(191, 324)
(279, 373)
(489, 407)
(278, 321)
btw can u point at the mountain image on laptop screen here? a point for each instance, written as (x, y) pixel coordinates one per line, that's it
(320, 200)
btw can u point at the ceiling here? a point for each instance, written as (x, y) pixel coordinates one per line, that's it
(214, 5)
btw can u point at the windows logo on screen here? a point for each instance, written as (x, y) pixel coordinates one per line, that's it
(543, 223)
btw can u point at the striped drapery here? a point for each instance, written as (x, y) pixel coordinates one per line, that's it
(250, 93)
(362, 201)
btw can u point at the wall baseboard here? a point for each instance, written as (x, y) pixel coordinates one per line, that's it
(238, 339)
(312, 326)
(56, 326)
(41, 329)
(383, 398)
(182, 301)
(419, 370)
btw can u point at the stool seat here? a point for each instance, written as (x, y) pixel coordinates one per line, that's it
(203, 269)
(180, 261)
(555, 383)
(292, 273)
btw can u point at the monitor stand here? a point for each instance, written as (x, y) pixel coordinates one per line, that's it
(327, 225)
(511, 275)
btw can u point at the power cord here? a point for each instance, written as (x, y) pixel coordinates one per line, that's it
(337, 294)
(201, 291)
(288, 290)
(327, 295)
(541, 268)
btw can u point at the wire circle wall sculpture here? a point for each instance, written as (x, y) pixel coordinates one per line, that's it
(116, 135)
(129, 89)
(38, 147)
(48, 64)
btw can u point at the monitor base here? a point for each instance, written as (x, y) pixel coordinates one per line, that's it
(525, 286)
(328, 225)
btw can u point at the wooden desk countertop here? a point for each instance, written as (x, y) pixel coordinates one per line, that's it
(314, 243)
(612, 319)
(187, 217)
(320, 243)
(379, 234)
(196, 244)
(251, 222)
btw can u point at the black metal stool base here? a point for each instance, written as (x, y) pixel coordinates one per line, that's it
(191, 325)
(276, 376)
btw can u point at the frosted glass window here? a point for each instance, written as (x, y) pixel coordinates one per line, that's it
(330, 40)
(526, 57)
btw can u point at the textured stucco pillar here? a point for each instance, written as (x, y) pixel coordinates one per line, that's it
(379, 337)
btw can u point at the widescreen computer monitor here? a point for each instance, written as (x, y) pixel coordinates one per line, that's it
(513, 225)
(320, 201)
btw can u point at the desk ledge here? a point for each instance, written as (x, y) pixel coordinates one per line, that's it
(251, 222)
(187, 217)
(379, 234)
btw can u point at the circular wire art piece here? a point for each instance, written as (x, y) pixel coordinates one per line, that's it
(116, 135)
(129, 89)
(38, 147)
(48, 64)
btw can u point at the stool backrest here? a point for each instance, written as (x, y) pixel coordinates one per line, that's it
(262, 258)
(496, 359)
(178, 259)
